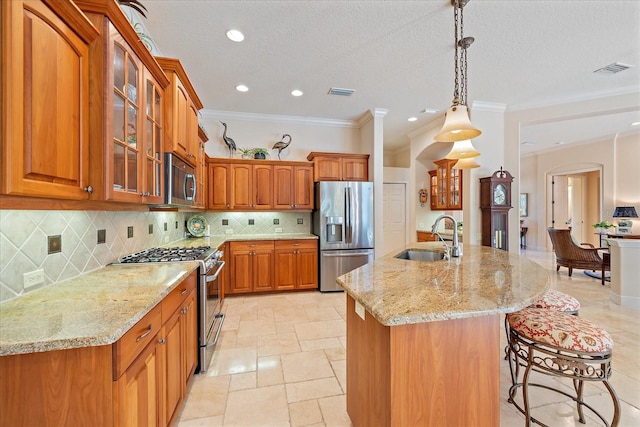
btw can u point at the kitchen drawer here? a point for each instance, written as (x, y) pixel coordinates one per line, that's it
(251, 245)
(127, 348)
(175, 299)
(296, 244)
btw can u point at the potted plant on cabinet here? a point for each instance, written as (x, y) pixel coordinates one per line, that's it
(245, 152)
(602, 226)
(260, 153)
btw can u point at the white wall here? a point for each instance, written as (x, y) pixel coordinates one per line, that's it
(255, 131)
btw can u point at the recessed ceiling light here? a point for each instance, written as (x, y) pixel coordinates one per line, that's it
(242, 88)
(635, 123)
(559, 143)
(296, 92)
(429, 111)
(412, 119)
(235, 35)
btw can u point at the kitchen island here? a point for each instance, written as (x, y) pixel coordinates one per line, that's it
(423, 337)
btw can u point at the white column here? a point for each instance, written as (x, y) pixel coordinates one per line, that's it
(625, 270)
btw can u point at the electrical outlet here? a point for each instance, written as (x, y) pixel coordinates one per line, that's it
(33, 278)
(150, 228)
(228, 231)
(278, 230)
(276, 221)
(300, 221)
(130, 231)
(225, 222)
(252, 222)
(165, 226)
(176, 225)
(102, 236)
(54, 244)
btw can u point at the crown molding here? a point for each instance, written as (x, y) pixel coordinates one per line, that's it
(494, 107)
(273, 118)
(628, 90)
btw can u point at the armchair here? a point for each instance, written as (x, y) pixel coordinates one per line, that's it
(571, 255)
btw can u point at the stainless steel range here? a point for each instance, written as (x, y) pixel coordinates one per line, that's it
(210, 316)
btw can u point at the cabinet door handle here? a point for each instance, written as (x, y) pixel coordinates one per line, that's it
(88, 189)
(184, 291)
(145, 334)
(162, 341)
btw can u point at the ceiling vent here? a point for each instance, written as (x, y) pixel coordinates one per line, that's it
(614, 68)
(340, 91)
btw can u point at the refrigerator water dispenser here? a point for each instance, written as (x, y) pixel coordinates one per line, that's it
(334, 229)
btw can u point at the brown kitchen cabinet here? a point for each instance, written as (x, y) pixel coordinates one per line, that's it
(251, 186)
(445, 185)
(45, 86)
(140, 380)
(293, 187)
(218, 185)
(251, 266)
(201, 171)
(181, 110)
(296, 264)
(339, 166)
(127, 121)
(425, 236)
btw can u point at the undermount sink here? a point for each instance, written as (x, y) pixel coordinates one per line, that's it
(420, 255)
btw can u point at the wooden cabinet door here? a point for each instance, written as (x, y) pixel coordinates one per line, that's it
(303, 187)
(355, 169)
(136, 391)
(262, 270)
(283, 187)
(240, 270)
(172, 369)
(307, 267)
(219, 186)
(285, 269)
(193, 142)
(45, 83)
(241, 186)
(327, 169)
(181, 121)
(153, 178)
(190, 335)
(262, 187)
(446, 186)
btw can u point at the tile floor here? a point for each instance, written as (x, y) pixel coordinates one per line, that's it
(281, 362)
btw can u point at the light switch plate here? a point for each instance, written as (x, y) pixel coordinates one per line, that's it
(229, 231)
(360, 310)
(33, 278)
(278, 230)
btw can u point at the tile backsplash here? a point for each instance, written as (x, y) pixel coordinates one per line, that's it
(24, 236)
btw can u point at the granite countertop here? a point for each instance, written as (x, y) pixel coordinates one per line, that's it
(217, 241)
(483, 281)
(93, 309)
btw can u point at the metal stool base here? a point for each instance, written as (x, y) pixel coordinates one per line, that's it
(555, 361)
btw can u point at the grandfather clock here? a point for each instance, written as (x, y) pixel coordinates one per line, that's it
(495, 202)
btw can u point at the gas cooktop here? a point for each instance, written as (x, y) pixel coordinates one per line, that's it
(168, 254)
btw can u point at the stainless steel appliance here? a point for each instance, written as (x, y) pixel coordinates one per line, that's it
(343, 222)
(180, 181)
(210, 316)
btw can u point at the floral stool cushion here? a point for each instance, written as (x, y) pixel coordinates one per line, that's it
(558, 301)
(560, 330)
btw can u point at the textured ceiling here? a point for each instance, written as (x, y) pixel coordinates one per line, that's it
(398, 55)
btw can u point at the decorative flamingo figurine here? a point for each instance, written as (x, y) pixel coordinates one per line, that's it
(281, 145)
(227, 140)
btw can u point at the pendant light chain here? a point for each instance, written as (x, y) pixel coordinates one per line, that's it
(456, 57)
(463, 61)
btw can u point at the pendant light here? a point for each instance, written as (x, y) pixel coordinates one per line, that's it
(468, 163)
(457, 125)
(462, 150)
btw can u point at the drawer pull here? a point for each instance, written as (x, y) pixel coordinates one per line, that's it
(184, 291)
(145, 334)
(162, 341)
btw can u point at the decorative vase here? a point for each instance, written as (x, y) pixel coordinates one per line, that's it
(259, 156)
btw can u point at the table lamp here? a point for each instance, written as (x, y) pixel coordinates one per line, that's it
(624, 223)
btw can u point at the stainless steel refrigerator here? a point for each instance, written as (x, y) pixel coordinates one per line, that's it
(343, 222)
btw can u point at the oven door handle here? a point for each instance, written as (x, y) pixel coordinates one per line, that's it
(214, 276)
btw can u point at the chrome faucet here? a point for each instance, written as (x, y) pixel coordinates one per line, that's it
(456, 249)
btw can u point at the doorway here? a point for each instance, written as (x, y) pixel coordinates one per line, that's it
(575, 201)
(394, 216)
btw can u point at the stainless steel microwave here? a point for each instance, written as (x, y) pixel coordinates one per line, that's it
(180, 181)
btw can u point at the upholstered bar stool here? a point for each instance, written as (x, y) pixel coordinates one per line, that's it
(552, 300)
(559, 344)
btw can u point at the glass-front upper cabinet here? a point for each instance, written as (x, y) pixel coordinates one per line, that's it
(126, 135)
(446, 186)
(153, 180)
